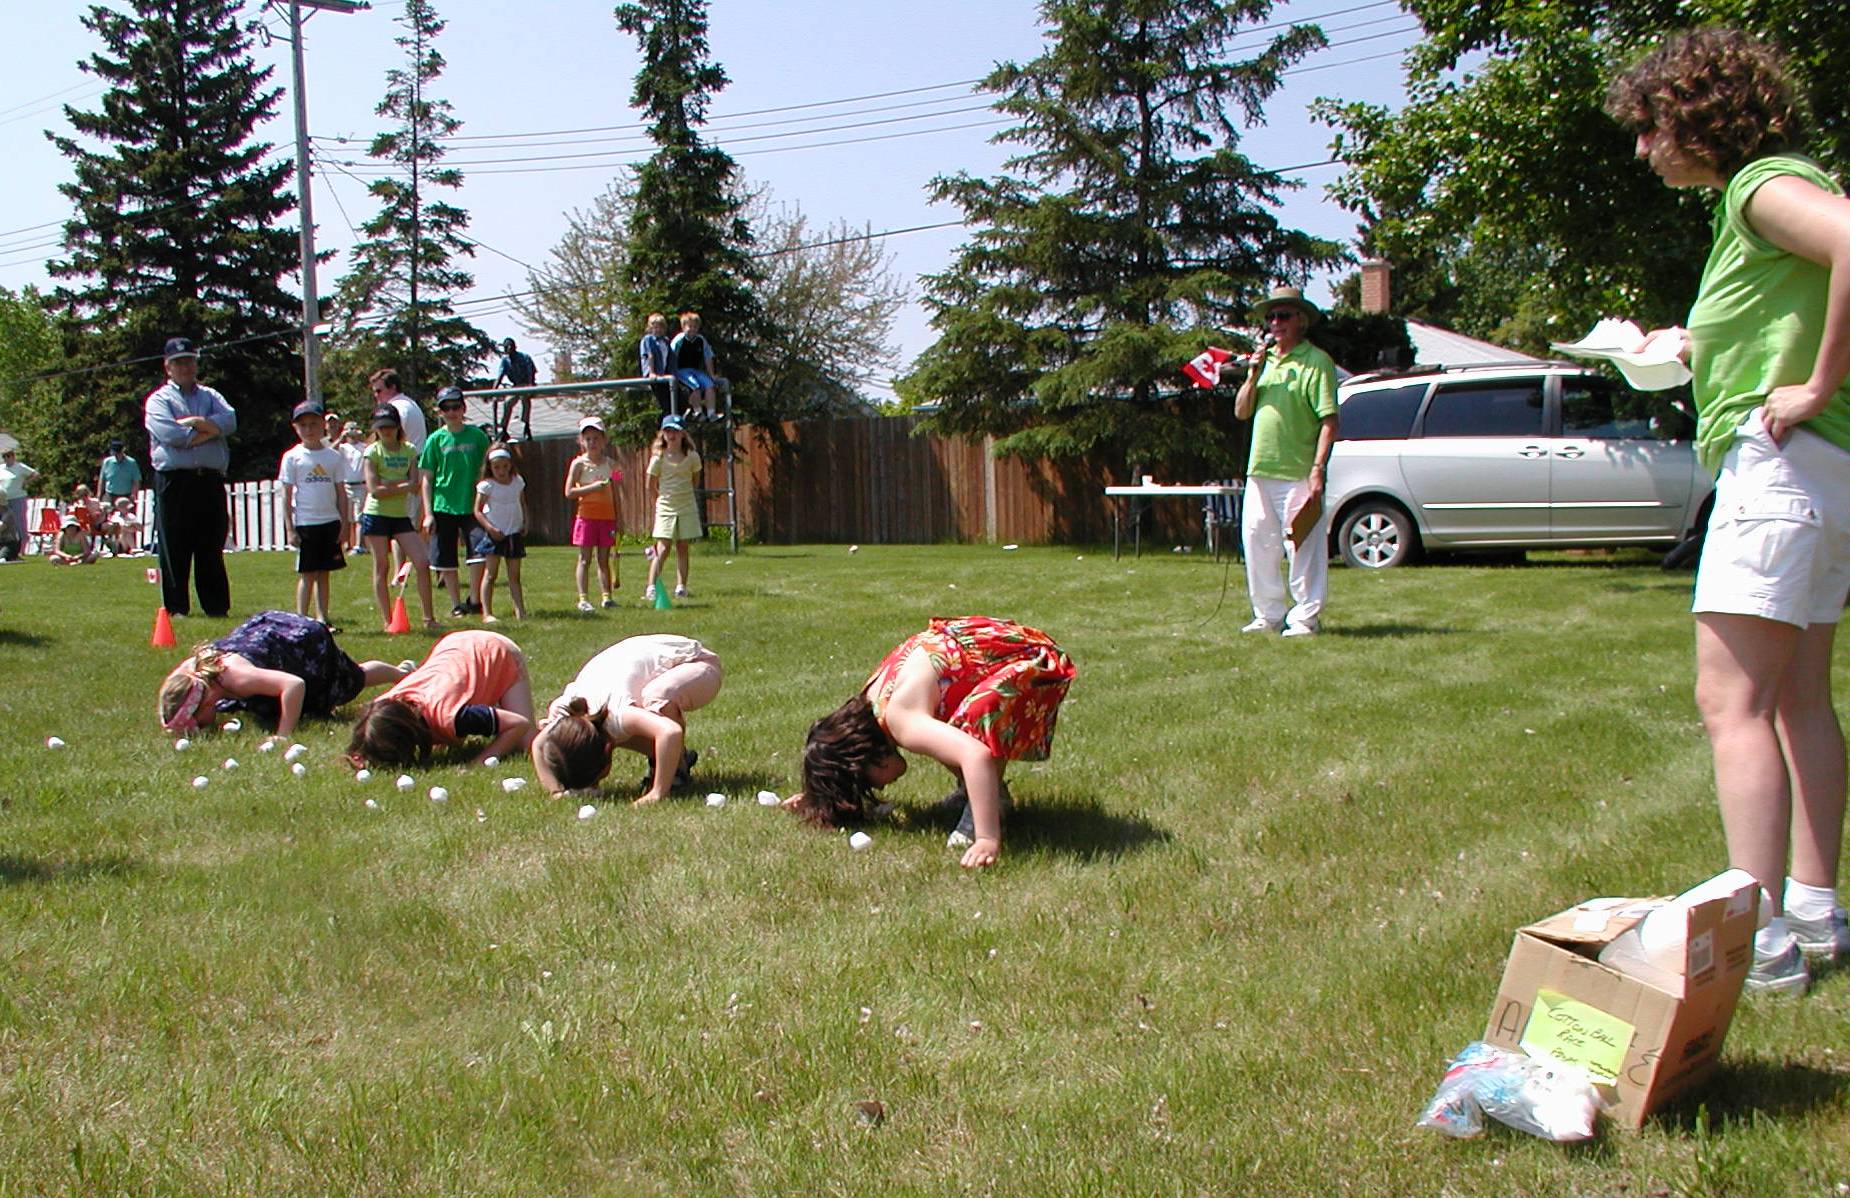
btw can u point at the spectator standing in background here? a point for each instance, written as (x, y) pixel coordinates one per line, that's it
(15, 476)
(517, 370)
(119, 477)
(187, 424)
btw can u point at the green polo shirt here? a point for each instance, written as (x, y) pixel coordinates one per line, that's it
(1294, 393)
(454, 463)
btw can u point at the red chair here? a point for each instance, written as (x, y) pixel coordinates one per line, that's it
(46, 534)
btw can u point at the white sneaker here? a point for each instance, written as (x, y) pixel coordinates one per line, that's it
(1783, 972)
(1301, 630)
(648, 593)
(1826, 941)
(585, 605)
(680, 593)
(1260, 624)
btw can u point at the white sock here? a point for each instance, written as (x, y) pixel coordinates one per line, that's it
(1771, 940)
(1810, 902)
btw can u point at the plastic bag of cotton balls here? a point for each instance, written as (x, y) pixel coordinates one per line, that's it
(768, 798)
(716, 800)
(859, 840)
(362, 775)
(406, 782)
(512, 784)
(201, 782)
(585, 812)
(439, 795)
(182, 745)
(54, 742)
(295, 752)
(299, 770)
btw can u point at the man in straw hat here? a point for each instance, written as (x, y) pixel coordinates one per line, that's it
(1290, 396)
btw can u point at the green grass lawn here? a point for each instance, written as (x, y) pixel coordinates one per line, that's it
(1259, 895)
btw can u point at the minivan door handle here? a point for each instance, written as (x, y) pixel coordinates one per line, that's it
(1570, 451)
(1533, 451)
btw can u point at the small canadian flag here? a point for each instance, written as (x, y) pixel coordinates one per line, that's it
(1205, 369)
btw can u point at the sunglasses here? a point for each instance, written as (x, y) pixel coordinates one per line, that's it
(1280, 315)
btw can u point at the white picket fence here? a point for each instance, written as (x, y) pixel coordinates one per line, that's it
(256, 516)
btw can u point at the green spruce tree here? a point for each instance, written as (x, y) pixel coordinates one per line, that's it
(175, 231)
(689, 241)
(1128, 228)
(394, 305)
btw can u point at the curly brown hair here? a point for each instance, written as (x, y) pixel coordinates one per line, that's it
(390, 732)
(577, 748)
(843, 745)
(1723, 96)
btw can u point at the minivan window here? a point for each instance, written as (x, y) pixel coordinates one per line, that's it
(1384, 415)
(1506, 409)
(1606, 410)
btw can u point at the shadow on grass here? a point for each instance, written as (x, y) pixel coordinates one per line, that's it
(732, 782)
(1080, 828)
(29, 640)
(15, 870)
(1739, 1089)
(1377, 631)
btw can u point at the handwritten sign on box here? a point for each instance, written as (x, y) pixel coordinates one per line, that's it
(1574, 1033)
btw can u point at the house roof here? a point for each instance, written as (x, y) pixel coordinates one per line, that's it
(1434, 346)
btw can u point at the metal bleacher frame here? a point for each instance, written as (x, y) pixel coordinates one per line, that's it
(700, 433)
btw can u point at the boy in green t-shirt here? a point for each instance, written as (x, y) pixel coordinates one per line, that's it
(448, 467)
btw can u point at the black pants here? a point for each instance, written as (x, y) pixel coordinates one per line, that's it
(191, 520)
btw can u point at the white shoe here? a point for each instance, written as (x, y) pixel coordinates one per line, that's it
(680, 593)
(648, 593)
(585, 605)
(1301, 630)
(1260, 624)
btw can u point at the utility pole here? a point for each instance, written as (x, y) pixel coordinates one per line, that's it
(311, 302)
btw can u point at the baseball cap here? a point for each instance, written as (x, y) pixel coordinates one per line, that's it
(386, 416)
(180, 347)
(71, 522)
(590, 422)
(673, 422)
(307, 407)
(451, 397)
(115, 445)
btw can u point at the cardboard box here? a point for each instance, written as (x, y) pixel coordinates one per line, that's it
(1653, 1041)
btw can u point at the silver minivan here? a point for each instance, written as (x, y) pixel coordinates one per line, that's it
(1531, 456)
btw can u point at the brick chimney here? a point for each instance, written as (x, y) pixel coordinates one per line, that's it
(1377, 287)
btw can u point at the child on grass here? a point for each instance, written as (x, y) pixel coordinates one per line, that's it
(314, 508)
(501, 513)
(675, 466)
(474, 683)
(73, 546)
(634, 695)
(448, 466)
(277, 665)
(123, 529)
(591, 481)
(971, 693)
(390, 471)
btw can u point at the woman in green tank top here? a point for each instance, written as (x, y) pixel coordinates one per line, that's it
(1768, 343)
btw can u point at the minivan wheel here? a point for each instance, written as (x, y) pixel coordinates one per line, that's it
(1376, 536)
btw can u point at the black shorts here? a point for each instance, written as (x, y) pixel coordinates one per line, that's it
(320, 548)
(374, 525)
(450, 528)
(513, 547)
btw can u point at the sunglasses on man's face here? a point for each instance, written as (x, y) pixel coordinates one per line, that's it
(1272, 316)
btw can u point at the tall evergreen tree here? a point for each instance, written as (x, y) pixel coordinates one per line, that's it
(175, 231)
(394, 305)
(1128, 226)
(689, 239)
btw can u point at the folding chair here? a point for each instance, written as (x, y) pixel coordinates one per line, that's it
(46, 534)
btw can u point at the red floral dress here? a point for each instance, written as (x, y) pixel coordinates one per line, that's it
(999, 681)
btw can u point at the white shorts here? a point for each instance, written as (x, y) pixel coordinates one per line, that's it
(1778, 544)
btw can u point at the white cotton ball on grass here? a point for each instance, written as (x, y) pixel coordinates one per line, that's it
(295, 751)
(231, 763)
(201, 782)
(768, 798)
(491, 762)
(859, 840)
(299, 770)
(406, 782)
(363, 776)
(716, 800)
(268, 746)
(512, 784)
(854, 549)
(481, 817)
(439, 795)
(372, 804)
(587, 811)
(181, 745)
(54, 742)
(234, 725)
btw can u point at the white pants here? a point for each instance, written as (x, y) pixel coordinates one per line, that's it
(1263, 528)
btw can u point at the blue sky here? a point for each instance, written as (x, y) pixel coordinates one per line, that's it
(518, 82)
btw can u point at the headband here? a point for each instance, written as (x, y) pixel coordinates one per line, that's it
(186, 718)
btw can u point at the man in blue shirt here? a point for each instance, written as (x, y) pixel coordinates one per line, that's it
(187, 425)
(119, 477)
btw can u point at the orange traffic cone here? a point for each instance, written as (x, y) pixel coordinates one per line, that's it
(163, 630)
(401, 619)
